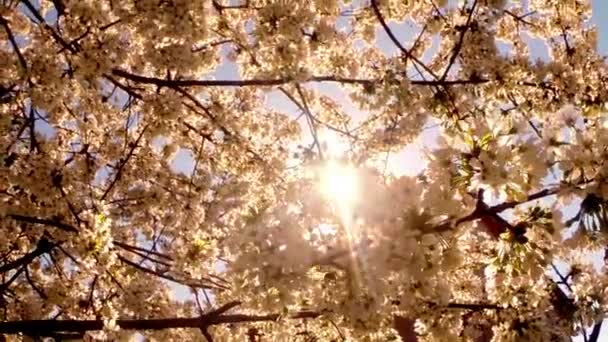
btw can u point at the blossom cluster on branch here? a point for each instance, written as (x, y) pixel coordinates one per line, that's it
(132, 169)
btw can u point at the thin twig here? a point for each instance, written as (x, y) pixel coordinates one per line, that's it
(395, 41)
(458, 46)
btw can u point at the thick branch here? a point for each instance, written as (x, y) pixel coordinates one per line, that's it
(47, 222)
(44, 246)
(229, 83)
(46, 327)
(275, 82)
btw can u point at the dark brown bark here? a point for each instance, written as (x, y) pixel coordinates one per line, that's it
(275, 82)
(405, 328)
(49, 327)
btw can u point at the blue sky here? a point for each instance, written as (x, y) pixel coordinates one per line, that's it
(600, 19)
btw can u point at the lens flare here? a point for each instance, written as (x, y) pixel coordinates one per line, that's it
(339, 183)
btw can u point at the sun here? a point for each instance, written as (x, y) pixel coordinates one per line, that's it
(338, 182)
(338, 179)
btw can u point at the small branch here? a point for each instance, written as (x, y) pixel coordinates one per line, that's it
(473, 306)
(521, 18)
(143, 250)
(145, 257)
(130, 91)
(211, 45)
(529, 198)
(242, 142)
(394, 39)
(4, 287)
(207, 335)
(224, 308)
(42, 22)
(32, 124)
(123, 163)
(226, 83)
(76, 41)
(190, 283)
(310, 118)
(11, 38)
(563, 279)
(107, 26)
(342, 337)
(482, 209)
(595, 333)
(33, 285)
(59, 7)
(460, 42)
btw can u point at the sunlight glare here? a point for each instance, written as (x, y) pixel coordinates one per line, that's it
(339, 186)
(339, 183)
(338, 180)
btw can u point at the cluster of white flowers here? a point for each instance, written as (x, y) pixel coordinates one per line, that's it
(128, 164)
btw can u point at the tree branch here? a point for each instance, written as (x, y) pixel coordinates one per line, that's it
(458, 45)
(307, 113)
(46, 327)
(54, 34)
(44, 246)
(277, 81)
(123, 163)
(595, 333)
(11, 38)
(212, 285)
(483, 210)
(142, 250)
(529, 198)
(394, 39)
(473, 306)
(47, 222)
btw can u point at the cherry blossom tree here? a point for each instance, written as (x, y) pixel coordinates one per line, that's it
(131, 170)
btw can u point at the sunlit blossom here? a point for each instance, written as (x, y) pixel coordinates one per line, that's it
(275, 160)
